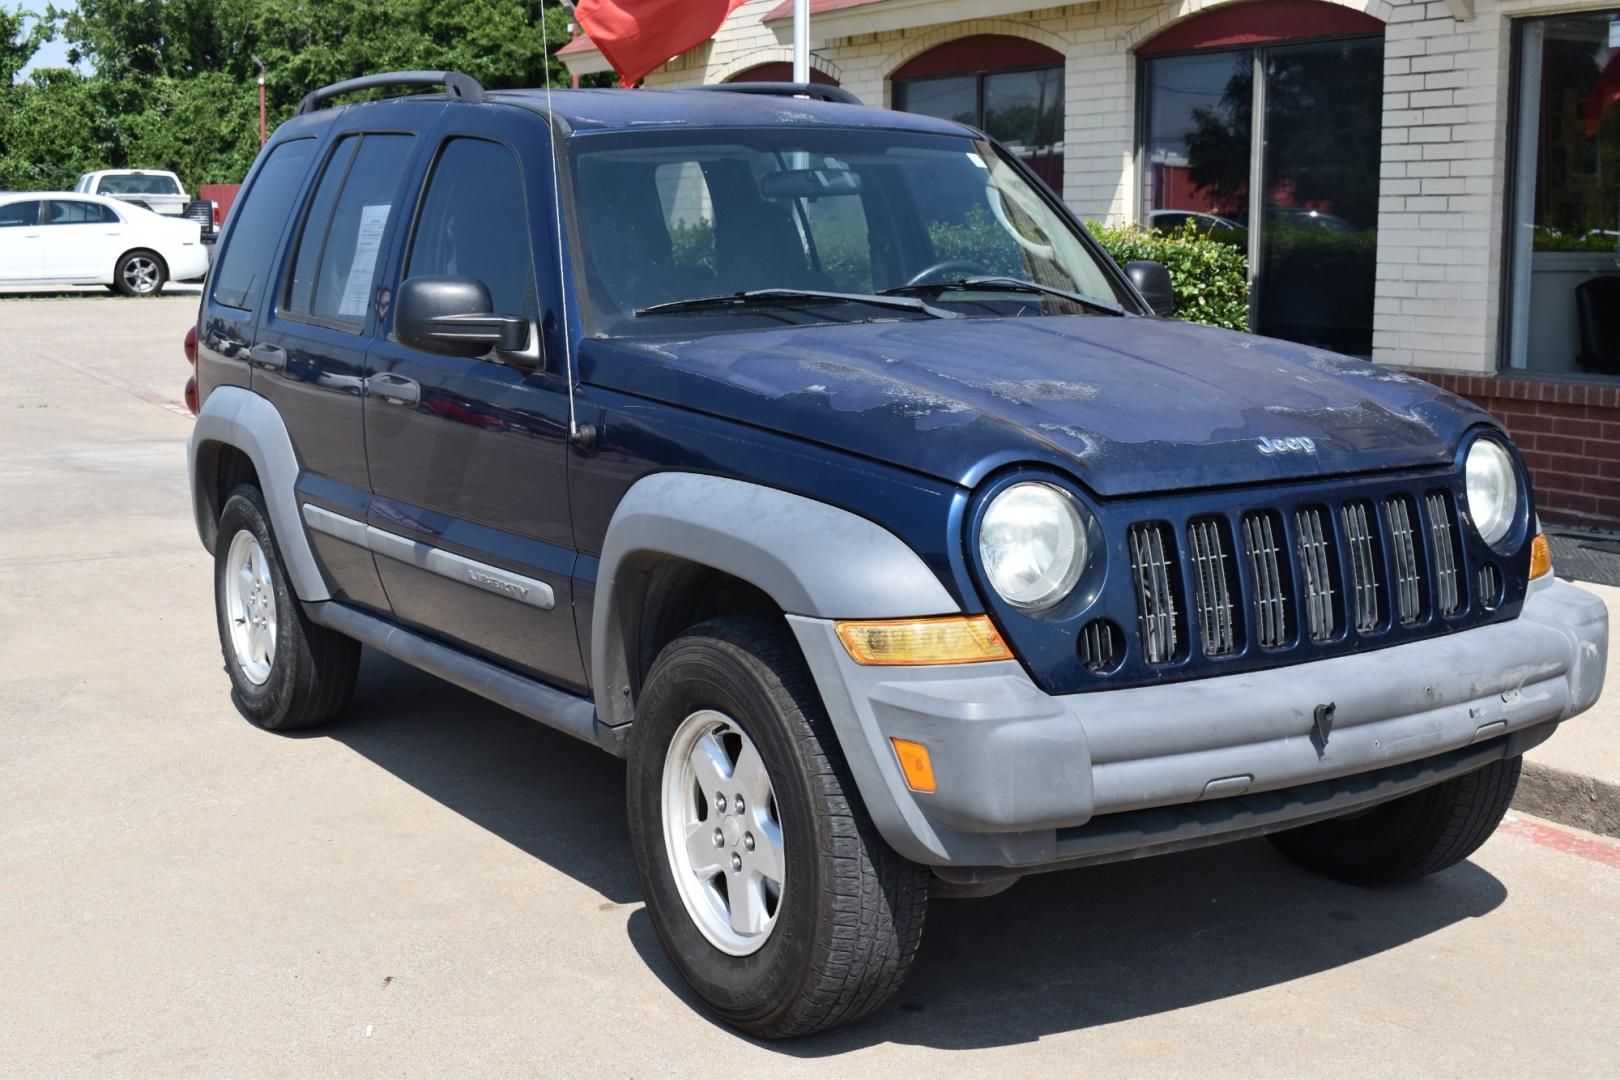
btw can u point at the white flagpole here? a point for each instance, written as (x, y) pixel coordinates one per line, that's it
(801, 41)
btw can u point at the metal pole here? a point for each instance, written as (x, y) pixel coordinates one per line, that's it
(801, 41)
(263, 133)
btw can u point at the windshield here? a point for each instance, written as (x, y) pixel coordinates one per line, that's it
(665, 217)
(138, 185)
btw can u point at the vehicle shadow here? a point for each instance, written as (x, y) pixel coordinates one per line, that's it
(544, 792)
(1058, 952)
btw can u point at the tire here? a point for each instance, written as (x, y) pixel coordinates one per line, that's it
(140, 273)
(1410, 837)
(288, 673)
(849, 911)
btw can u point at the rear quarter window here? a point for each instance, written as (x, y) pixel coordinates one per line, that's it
(245, 260)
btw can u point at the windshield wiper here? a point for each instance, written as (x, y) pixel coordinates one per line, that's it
(1004, 284)
(791, 297)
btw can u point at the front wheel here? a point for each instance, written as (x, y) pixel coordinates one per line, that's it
(1410, 837)
(767, 884)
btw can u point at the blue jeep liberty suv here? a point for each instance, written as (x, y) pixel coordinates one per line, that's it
(815, 460)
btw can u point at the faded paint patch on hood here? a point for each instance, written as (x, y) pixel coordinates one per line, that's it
(1128, 405)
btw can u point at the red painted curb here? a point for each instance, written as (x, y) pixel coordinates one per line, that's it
(1585, 845)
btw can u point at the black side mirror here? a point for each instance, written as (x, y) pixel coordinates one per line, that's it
(1152, 280)
(453, 316)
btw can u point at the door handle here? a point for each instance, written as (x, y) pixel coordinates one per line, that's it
(269, 357)
(395, 389)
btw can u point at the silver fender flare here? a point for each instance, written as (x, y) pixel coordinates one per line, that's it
(809, 557)
(247, 421)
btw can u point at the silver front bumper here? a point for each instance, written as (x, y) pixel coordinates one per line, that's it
(1019, 771)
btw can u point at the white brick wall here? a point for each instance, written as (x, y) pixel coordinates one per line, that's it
(1444, 160)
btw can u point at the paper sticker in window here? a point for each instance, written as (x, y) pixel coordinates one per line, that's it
(373, 220)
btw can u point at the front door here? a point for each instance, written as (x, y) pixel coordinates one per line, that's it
(82, 239)
(469, 457)
(22, 244)
(309, 351)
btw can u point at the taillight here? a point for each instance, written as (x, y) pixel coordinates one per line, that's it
(191, 358)
(217, 215)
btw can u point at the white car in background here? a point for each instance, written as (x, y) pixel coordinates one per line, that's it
(157, 191)
(68, 238)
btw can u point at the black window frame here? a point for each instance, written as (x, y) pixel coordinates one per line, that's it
(292, 243)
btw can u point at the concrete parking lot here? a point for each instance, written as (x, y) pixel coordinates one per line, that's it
(436, 886)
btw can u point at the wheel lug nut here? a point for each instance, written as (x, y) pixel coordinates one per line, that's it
(720, 803)
(748, 841)
(719, 839)
(736, 863)
(737, 806)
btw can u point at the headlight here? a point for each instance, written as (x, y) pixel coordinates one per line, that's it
(1033, 544)
(1493, 490)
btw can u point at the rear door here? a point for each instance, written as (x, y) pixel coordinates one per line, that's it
(22, 241)
(82, 239)
(309, 349)
(469, 458)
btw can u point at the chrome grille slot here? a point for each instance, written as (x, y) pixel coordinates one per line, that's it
(1099, 646)
(1403, 545)
(1213, 586)
(1314, 553)
(1442, 539)
(1488, 587)
(1151, 553)
(1358, 536)
(1260, 533)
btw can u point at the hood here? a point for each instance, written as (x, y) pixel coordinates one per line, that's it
(1128, 405)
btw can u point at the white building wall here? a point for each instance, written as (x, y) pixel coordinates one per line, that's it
(1445, 138)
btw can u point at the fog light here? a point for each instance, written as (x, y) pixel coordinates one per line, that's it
(915, 764)
(1540, 557)
(956, 639)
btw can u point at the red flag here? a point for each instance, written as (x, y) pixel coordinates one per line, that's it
(638, 35)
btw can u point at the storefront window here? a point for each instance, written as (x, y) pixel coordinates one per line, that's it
(1010, 88)
(1565, 287)
(1311, 227)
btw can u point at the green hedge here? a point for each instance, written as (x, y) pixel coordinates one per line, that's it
(1210, 277)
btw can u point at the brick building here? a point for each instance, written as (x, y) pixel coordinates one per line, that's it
(1433, 185)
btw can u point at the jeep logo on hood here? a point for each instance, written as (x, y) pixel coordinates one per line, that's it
(1287, 446)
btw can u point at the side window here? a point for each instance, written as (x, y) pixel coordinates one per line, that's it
(837, 227)
(473, 224)
(342, 233)
(19, 213)
(75, 212)
(683, 195)
(244, 260)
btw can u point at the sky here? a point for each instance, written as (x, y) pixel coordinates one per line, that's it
(54, 54)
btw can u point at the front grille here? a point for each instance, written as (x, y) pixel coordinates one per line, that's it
(1151, 569)
(1256, 584)
(1213, 586)
(1403, 544)
(1443, 540)
(1358, 535)
(1260, 532)
(1099, 646)
(1314, 554)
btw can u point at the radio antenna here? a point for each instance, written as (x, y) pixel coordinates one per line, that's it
(580, 435)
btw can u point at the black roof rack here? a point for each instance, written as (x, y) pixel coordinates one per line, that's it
(457, 87)
(818, 91)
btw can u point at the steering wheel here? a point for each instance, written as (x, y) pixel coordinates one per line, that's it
(964, 266)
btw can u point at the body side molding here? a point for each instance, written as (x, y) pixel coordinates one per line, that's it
(247, 421)
(446, 564)
(810, 557)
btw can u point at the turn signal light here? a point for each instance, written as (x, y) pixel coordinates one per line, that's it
(955, 639)
(1540, 557)
(915, 764)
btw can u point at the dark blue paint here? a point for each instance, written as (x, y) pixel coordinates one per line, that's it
(1128, 405)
